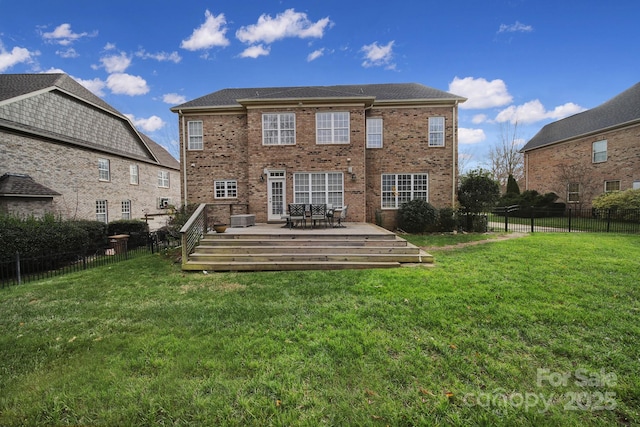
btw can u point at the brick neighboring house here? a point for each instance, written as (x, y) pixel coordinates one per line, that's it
(589, 153)
(371, 147)
(64, 150)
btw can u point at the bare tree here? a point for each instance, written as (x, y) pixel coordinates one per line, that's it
(505, 157)
(575, 185)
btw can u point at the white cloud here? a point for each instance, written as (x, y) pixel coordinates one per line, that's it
(376, 55)
(208, 35)
(109, 46)
(63, 35)
(479, 118)
(480, 93)
(126, 84)
(17, 55)
(95, 85)
(116, 63)
(315, 55)
(173, 98)
(287, 24)
(518, 27)
(160, 56)
(534, 111)
(255, 51)
(470, 136)
(150, 124)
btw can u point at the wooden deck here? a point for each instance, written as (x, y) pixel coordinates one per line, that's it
(273, 247)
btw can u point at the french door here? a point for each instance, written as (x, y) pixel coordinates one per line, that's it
(277, 196)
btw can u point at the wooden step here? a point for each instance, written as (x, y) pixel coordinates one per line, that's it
(309, 249)
(302, 242)
(285, 266)
(303, 256)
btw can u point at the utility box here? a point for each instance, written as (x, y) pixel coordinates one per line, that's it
(118, 243)
(245, 220)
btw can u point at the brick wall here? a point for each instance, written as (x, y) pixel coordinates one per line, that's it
(623, 162)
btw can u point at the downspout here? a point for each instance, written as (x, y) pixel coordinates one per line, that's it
(184, 164)
(455, 153)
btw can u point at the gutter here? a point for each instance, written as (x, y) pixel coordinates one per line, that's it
(184, 163)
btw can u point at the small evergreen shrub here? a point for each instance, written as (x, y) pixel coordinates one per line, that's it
(136, 229)
(417, 216)
(96, 234)
(447, 219)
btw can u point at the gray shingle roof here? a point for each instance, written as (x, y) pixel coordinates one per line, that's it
(379, 92)
(621, 109)
(23, 185)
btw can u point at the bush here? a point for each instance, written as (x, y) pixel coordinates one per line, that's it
(447, 220)
(96, 234)
(478, 192)
(543, 204)
(417, 216)
(627, 199)
(137, 230)
(179, 218)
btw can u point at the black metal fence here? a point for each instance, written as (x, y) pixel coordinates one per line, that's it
(529, 219)
(19, 269)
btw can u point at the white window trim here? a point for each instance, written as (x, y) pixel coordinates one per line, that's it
(125, 207)
(280, 129)
(434, 132)
(134, 174)
(369, 133)
(229, 189)
(308, 189)
(104, 171)
(569, 192)
(396, 192)
(163, 179)
(102, 210)
(594, 152)
(333, 127)
(610, 181)
(193, 144)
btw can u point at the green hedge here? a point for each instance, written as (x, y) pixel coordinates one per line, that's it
(136, 229)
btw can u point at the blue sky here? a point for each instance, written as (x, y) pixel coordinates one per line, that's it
(524, 61)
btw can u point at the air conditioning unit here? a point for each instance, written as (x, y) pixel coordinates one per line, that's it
(163, 203)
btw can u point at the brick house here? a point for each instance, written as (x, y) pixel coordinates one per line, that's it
(65, 151)
(371, 147)
(589, 153)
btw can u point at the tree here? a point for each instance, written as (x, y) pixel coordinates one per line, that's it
(512, 185)
(505, 158)
(478, 192)
(575, 184)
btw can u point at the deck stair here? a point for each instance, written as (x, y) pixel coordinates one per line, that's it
(318, 249)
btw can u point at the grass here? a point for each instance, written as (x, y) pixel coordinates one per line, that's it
(471, 341)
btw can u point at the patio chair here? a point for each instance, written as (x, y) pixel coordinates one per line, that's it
(342, 217)
(297, 214)
(319, 213)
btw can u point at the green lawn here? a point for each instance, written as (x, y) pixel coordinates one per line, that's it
(539, 330)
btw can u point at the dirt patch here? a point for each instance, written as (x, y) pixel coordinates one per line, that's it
(474, 243)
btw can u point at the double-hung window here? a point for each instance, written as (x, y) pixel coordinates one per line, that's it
(436, 131)
(600, 151)
(126, 209)
(332, 128)
(195, 135)
(374, 133)
(226, 189)
(134, 174)
(573, 192)
(103, 170)
(101, 211)
(279, 129)
(400, 188)
(319, 187)
(610, 186)
(163, 179)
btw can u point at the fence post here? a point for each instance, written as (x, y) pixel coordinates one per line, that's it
(506, 219)
(532, 218)
(18, 268)
(569, 220)
(608, 219)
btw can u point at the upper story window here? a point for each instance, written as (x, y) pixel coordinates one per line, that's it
(332, 128)
(163, 179)
(101, 211)
(195, 135)
(374, 133)
(103, 170)
(400, 188)
(600, 151)
(610, 186)
(134, 177)
(126, 209)
(226, 189)
(436, 131)
(279, 129)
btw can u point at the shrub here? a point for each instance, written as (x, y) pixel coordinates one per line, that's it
(136, 229)
(96, 234)
(478, 192)
(179, 218)
(512, 185)
(447, 219)
(542, 204)
(627, 199)
(417, 216)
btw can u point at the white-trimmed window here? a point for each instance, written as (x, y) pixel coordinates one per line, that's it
(103, 170)
(573, 192)
(611, 186)
(600, 151)
(279, 129)
(226, 189)
(319, 187)
(436, 131)
(163, 179)
(636, 185)
(194, 135)
(101, 211)
(126, 209)
(134, 175)
(374, 133)
(400, 188)
(332, 128)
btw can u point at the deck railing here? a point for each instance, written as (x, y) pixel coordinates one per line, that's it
(193, 230)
